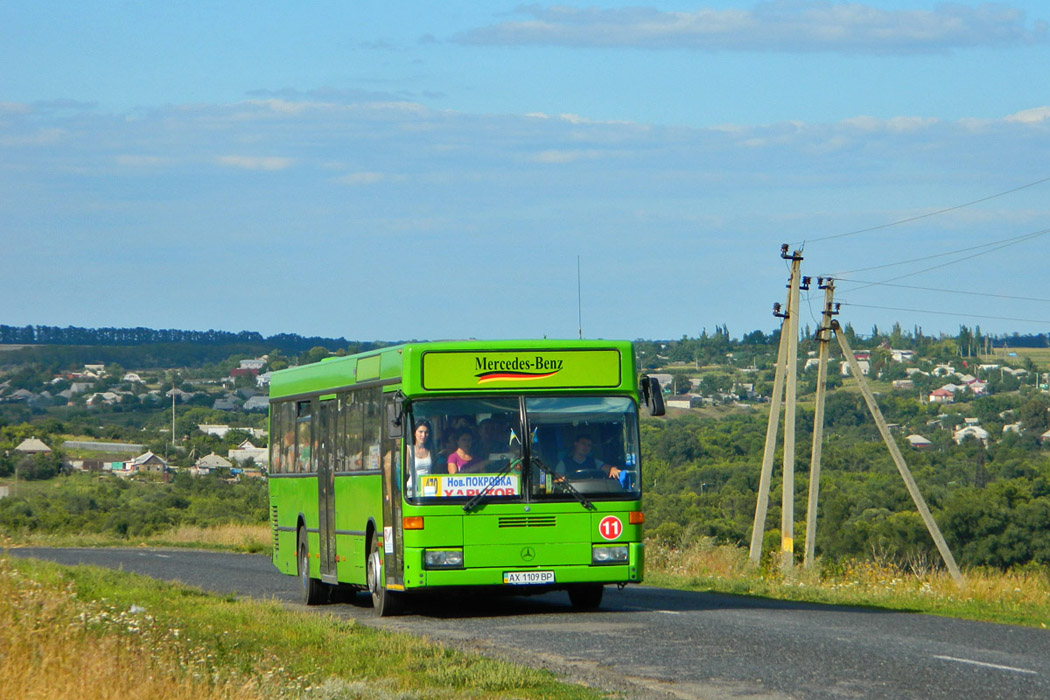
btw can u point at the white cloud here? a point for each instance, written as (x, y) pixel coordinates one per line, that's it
(14, 108)
(367, 178)
(267, 163)
(807, 26)
(38, 137)
(567, 156)
(1031, 116)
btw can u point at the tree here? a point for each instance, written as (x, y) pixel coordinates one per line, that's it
(315, 354)
(39, 467)
(1033, 414)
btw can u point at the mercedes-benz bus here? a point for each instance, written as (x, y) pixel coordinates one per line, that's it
(509, 465)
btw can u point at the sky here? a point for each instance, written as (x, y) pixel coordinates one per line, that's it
(421, 170)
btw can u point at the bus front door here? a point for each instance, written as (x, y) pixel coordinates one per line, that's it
(392, 533)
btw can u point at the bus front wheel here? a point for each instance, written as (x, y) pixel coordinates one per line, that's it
(312, 590)
(586, 596)
(384, 601)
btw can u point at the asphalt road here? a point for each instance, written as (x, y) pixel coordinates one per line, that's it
(657, 643)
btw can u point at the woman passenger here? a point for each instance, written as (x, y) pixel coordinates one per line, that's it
(421, 454)
(463, 459)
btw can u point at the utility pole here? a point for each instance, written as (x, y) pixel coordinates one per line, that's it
(170, 456)
(824, 338)
(773, 425)
(898, 458)
(787, 496)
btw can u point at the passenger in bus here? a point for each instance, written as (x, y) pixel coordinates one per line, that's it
(463, 422)
(448, 446)
(422, 457)
(495, 437)
(464, 460)
(581, 458)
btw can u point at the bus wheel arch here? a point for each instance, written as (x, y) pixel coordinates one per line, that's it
(312, 591)
(384, 601)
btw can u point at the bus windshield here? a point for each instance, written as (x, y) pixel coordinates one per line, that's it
(572, 445)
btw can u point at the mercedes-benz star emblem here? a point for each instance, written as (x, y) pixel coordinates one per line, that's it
(528, 553)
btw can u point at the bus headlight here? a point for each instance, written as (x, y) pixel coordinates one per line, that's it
(443, 558)
(609, 555)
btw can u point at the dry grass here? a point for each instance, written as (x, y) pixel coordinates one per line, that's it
(1017, 597)
(88, 632)
(235, 537)
(57, 646)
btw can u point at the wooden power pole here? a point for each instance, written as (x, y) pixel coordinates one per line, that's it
(898, 458)
(786, 355)
(824, 338)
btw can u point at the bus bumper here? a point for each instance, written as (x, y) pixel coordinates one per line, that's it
(417, 576)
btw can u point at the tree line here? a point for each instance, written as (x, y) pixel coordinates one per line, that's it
(74, 335)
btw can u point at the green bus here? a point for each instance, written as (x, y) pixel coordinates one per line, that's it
(505, 464)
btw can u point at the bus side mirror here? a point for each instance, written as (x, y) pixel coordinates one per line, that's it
(395, 415)
(653, 395)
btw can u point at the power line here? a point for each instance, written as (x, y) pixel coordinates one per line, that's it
(968, 257)
(933, 213)
(1007, 241)
(946, 291)
(948, 313)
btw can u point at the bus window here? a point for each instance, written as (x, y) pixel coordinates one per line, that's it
(302, 438)
(458, 447)
(276, 433)
(372, 424)
(587, 443)
(286, 438)
(353, 407)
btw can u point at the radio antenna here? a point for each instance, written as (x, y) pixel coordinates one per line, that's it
(579, 299)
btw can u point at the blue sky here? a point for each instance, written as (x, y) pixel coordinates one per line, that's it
(435, 170)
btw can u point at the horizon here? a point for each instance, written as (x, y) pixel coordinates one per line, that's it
(913, 334)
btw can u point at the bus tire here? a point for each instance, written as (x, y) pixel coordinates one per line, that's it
(312, 590)
(385, 602)
(586, 596)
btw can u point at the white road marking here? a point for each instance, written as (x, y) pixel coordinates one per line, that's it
(987, 665)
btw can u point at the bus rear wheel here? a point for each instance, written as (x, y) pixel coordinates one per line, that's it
(384, 601)
(312, 590)
(586, 596)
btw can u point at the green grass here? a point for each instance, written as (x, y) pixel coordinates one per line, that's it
(273, 651)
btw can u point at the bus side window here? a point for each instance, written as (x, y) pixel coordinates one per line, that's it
(354, 435)
(275, 439)
(302, 437)
(286, 444)
(372, 425)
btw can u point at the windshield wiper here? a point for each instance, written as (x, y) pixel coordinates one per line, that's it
(563, 483)
(476, 498)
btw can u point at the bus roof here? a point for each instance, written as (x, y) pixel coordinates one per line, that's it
(445, 367)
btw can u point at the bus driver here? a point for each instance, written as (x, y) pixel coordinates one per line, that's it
(581, 459)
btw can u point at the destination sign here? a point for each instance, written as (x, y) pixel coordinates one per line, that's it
(441, 486)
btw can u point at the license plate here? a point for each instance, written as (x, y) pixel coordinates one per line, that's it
(526, 578)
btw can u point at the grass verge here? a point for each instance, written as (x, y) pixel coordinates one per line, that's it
(92, 633)
(232, 537)
(1015, 597)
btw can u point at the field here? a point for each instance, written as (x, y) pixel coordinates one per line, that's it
(1040, 356)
